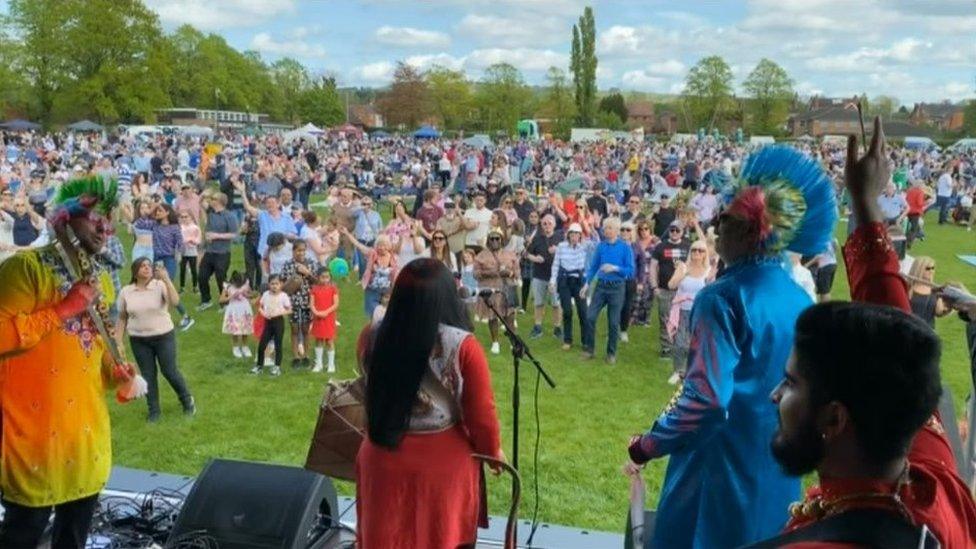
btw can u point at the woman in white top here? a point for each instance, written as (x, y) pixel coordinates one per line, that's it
(144, 315)
(688, 279)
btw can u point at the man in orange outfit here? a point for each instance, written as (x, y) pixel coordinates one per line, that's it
(55, 443)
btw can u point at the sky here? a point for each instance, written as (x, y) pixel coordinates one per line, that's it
(915, 50)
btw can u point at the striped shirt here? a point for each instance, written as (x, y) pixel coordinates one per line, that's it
(569, 258)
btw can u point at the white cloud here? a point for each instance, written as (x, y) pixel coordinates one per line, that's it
(212, 15)
(641, 80)
(904, 52)
(671, 67)
(525, 59)
(410, 37)
(265, 43)
(424, 62)
(525, 30)
(380, 72)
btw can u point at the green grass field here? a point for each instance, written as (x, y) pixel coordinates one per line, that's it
(586, 421)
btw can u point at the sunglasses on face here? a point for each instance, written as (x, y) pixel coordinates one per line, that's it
(490, 238)
(699, 250)
(674, 230)
(932, 268)
(634, 202)
(438, 238)
(626, 230)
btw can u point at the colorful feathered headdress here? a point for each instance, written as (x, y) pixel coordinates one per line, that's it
(788, 197)
(81, 196)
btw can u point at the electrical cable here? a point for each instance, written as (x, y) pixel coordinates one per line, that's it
(535, 463)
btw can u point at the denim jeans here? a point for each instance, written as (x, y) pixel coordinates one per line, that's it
(161, 349)
(568, 288)
(664, 298)
(943, 202)
(609, 294)
(371, 299)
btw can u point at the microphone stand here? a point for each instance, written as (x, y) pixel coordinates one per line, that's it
(520, 350)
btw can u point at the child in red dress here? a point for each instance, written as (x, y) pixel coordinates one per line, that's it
(324, 303)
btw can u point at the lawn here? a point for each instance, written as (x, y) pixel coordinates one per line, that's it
(586, 421)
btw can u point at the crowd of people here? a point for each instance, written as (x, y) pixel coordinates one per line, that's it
(546, 227)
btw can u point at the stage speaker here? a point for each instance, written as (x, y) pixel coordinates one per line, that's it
(244, 505)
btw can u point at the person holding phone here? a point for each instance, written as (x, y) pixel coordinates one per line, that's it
(144, 315)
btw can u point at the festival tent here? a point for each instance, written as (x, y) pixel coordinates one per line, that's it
(19, 125)
(761, 140)
(965, 144)
(806, 138)
(379, 133)
(308, 131)
(478, 140)
(312, 129)
(426, 132)
(920, 143)
(196, 130)
(85, 126)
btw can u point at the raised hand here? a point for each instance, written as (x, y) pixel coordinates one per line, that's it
(78, 298)
(866, 177)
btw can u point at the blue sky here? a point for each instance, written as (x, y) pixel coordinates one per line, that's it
(914, 50)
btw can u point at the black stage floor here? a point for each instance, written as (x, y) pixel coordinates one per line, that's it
(126, 481)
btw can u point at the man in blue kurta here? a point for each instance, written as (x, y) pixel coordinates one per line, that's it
(723, 488)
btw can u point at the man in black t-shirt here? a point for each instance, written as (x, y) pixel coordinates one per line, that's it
(664, 216)
(540, 253)
(673, 248)
(523, 206)
(597, 202)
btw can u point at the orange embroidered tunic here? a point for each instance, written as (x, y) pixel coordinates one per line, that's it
(55, 443)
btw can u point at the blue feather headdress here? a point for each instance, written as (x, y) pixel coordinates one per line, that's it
(789, 196)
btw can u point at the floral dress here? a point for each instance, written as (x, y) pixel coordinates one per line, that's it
(238, 315)
(301, 310)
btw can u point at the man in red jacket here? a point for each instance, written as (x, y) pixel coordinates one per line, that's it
(858, 404)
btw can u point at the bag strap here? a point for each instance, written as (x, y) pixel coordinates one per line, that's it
(876, 528)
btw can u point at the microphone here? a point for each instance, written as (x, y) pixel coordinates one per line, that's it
(488, 292)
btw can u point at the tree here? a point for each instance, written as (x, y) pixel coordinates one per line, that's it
(884, 106)
(609, 120)
(614, 104)
(503, 98)
(969, 118)
(15, 96)
(451, 99)
(558, 105)
(708, 92)
(320, 104)
(39, 24)
(771, 90)
(291, 79)
(582, 64)
(408, 101)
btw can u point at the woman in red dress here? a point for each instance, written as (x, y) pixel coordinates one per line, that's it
(430, 407)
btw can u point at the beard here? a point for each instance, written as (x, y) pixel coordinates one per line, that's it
(799, 452)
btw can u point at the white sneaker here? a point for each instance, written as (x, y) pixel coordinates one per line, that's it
(246, 352)
(674, 379)
(624, 337)
(331, 368)
(317, 368)
(238, 353)
(495, 348)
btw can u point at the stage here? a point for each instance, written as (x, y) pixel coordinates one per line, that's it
(134, 482)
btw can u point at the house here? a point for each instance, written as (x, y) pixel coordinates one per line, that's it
(640, 114)
(666, 123)
(365, 116)
(834, 119)
(945, 116)
(217, 119)
(818, 102)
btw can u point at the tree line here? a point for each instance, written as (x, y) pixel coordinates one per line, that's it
(110, 61)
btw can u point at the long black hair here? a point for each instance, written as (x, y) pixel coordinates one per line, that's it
(424, 296)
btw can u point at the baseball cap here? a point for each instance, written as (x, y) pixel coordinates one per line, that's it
(629, 225)
(575, 228)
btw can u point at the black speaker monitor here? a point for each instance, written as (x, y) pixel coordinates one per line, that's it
(246, 505)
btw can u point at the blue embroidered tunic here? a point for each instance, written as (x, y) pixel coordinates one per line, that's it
(722, 487)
